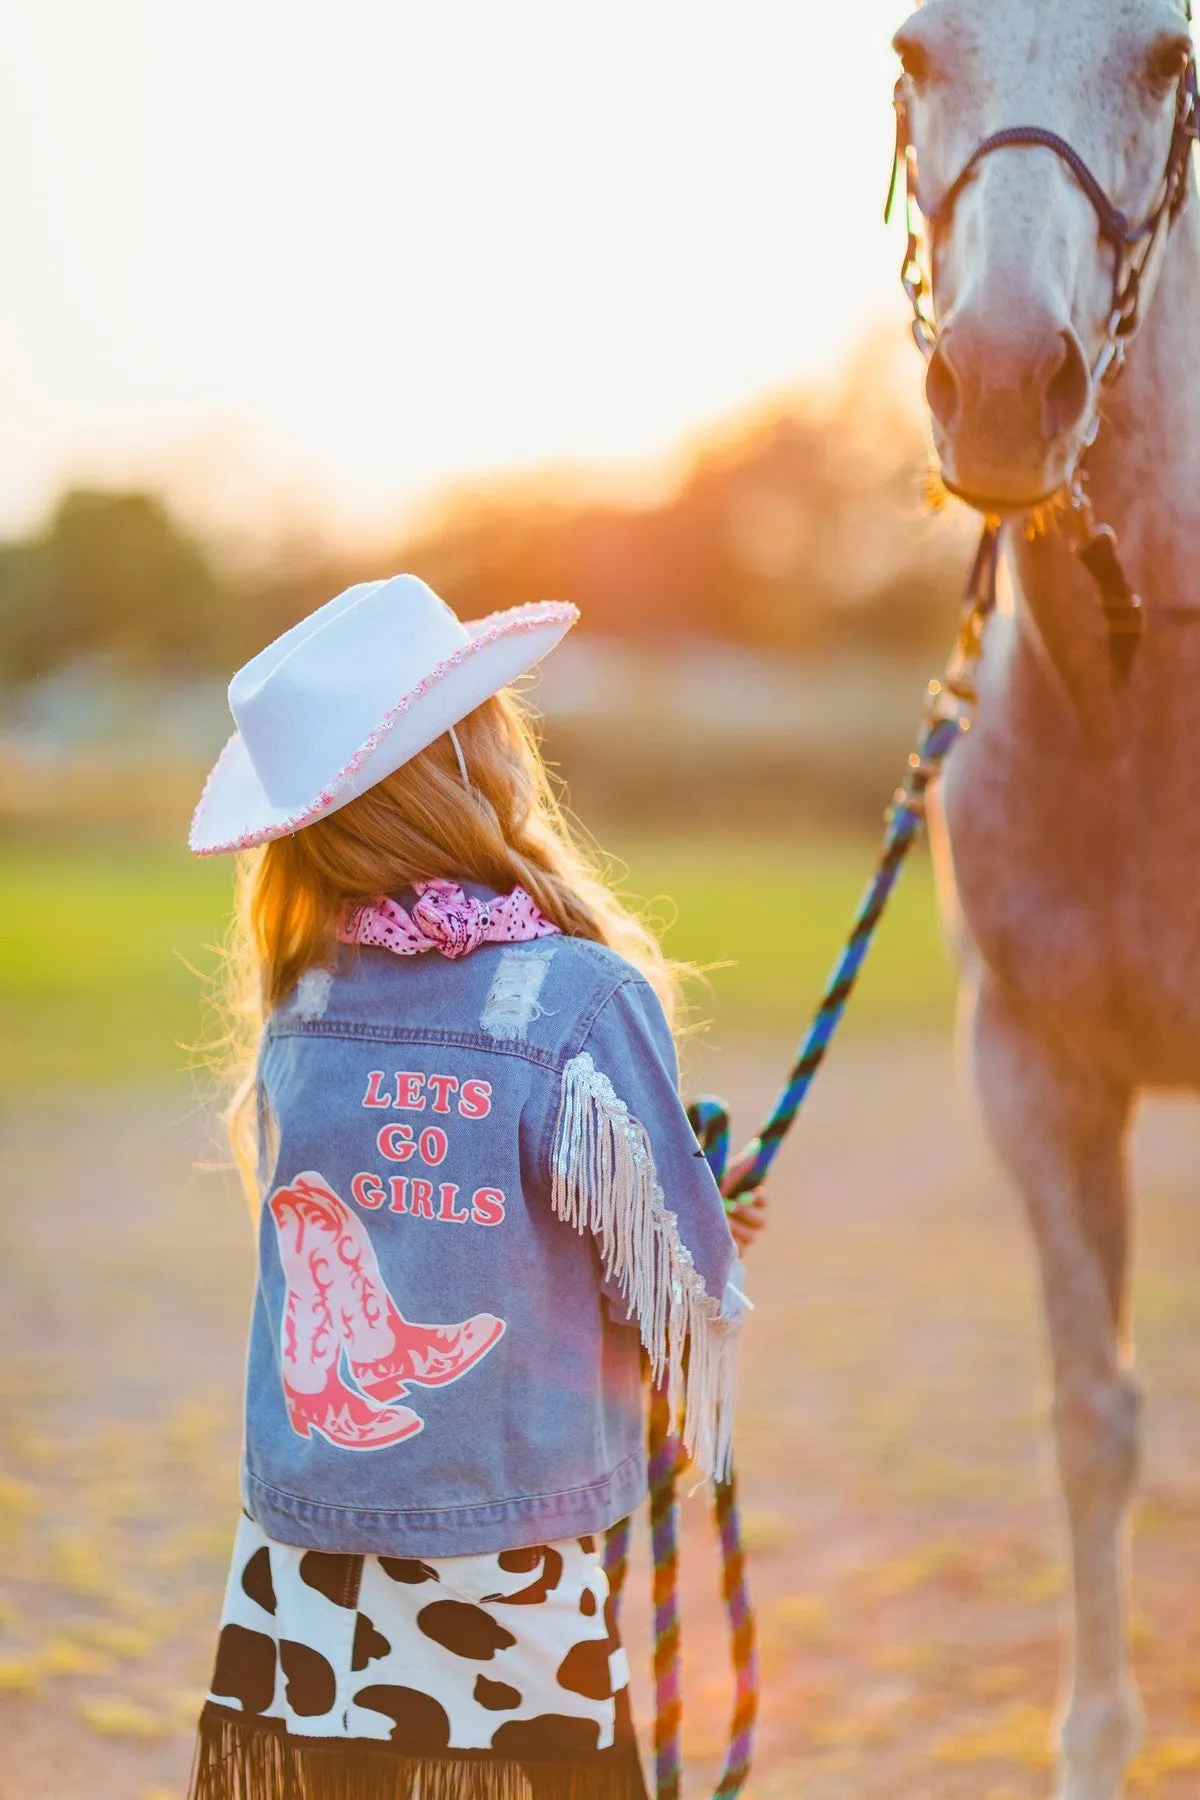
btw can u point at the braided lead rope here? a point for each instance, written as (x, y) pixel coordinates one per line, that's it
(666, 1459)
(950, 708)
(616, 1557)
(709, 1120)
(740, 1609)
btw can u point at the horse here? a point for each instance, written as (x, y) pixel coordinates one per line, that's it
(1038, 136)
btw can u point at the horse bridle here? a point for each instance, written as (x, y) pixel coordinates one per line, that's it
(1133, 244)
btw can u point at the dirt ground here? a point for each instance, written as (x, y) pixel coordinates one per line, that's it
(897, 1474)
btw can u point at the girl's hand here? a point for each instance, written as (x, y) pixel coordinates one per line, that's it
(748, 1219)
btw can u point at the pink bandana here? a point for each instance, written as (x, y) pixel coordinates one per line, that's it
(445, 919)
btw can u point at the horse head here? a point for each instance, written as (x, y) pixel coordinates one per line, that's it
(1041, 138)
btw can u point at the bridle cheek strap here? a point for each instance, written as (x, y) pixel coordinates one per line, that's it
(1096, 545)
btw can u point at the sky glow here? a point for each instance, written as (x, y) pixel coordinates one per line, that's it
(299, 259)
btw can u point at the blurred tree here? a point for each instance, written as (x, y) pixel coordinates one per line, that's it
(798, 528)
(110, 574)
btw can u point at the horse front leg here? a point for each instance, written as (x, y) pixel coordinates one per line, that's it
(1060, 1130)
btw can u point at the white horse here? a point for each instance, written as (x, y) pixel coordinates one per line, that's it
(1070, 838)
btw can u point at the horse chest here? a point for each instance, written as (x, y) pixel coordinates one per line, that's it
(1076, 888)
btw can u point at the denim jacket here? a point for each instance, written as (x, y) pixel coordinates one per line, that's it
(482, 1202)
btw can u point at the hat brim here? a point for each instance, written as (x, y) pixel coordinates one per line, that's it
(234, 812)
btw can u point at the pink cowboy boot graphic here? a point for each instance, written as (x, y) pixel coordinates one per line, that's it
(333, 1275)
(317, 1398)
(426, 1355)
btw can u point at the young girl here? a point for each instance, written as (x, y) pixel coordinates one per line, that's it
(479, 1207)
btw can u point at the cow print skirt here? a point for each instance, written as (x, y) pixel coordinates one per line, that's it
(343, 1677)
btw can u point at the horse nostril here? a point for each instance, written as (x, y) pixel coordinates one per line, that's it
(941, 387)
(1068, 390)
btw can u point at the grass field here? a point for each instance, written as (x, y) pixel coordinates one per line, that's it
(102, 951)
(897, 1481)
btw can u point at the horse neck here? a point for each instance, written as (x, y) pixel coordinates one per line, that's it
(1142, 478)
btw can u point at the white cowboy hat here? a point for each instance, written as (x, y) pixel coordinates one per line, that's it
(348, 695)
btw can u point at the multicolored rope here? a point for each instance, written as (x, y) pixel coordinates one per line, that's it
(710, 1121)
(740, 1609)
(950, 708)
(666, 1459)
(617, 1540)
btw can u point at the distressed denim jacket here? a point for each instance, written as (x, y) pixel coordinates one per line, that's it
(482, 1202)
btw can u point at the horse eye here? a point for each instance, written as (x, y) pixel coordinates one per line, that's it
(1168, 61)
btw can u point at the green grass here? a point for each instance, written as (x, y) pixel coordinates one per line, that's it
(778, 913)
(98, 948)
(95, 948)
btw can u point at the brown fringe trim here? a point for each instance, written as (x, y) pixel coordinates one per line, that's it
(241, 1757)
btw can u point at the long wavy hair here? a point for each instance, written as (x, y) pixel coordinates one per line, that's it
(417, 824)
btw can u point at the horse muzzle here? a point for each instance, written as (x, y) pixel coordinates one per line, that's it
(1010, 409)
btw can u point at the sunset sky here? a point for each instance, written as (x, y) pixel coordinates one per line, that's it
(318, 258)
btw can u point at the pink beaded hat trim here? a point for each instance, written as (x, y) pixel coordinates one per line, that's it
(547, 617)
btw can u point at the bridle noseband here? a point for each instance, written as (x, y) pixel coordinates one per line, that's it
(1113, 223)
(1115, 227)
(1134, 244)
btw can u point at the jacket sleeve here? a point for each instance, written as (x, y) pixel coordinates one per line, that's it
(626, 1167)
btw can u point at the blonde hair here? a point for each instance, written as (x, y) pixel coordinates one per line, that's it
(419, 823)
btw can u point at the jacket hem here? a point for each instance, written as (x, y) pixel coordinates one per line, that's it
(446, 1531)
